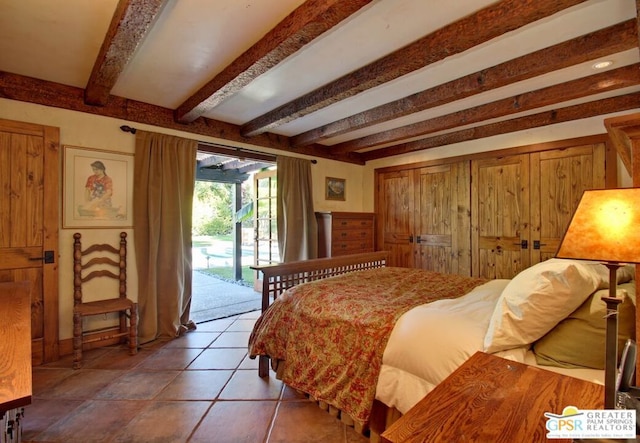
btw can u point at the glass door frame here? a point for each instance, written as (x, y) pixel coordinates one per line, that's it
(265, 245)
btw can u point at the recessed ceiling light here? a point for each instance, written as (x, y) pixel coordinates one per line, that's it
(602, 65)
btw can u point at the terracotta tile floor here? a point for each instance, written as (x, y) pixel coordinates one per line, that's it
(201, 387)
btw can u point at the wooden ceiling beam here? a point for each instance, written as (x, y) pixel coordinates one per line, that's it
(209, 162)
(233, 164)
(221, 176)
(310, 20)
(611, 40)
(130, 23)
(570, 113)
(254, 167)
(614, 79)
(42, 92)
(229, 151)
(473, 30)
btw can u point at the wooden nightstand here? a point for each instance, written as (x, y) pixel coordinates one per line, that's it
(490, 399)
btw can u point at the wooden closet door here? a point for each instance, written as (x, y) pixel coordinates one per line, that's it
(395, 216)
(29, 183)
(558, 179)
(500, 216)
(442, 218)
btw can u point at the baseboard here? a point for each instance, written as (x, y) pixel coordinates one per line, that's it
(66, 345)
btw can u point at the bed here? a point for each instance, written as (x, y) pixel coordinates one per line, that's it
(368, 341)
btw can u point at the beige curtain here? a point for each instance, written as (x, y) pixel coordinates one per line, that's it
(163, 195)
(297, 226)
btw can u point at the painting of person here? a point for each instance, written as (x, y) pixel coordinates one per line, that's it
(98, 191)
(99, 186)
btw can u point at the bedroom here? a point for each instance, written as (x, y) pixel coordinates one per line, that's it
(26, 99)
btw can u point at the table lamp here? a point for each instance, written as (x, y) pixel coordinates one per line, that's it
(606, 228)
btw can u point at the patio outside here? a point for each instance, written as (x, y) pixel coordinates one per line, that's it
(213, 296)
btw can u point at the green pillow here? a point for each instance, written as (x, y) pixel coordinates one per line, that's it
(578, 341)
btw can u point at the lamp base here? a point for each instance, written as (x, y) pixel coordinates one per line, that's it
(611, 345)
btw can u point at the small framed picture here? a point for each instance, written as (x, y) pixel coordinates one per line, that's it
(335, 188)
(97, 188)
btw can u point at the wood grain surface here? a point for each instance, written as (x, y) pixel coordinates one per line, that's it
(15, 345)
(492, 399)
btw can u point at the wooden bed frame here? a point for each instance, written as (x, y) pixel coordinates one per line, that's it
(278, 278)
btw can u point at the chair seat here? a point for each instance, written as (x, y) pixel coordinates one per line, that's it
(103, 306)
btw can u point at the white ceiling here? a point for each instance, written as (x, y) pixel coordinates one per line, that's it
(192, 41)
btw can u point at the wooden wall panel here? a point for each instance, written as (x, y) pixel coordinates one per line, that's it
(624, 132)
(394, 216)
(423, 217)
(500, 216)
(557, 185)
(442, 218)
(29, 201)
(496, 203)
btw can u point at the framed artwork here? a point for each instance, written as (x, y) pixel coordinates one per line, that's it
(335, 188)
(97, 188)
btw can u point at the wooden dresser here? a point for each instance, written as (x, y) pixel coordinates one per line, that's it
(343, 233)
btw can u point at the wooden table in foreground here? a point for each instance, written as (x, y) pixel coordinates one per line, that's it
(15, 346)
(490, 399)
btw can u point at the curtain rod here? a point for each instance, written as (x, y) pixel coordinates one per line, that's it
(235, 149)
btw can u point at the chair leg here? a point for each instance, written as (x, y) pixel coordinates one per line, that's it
(133, 330)
(77, 341)
(123, 321)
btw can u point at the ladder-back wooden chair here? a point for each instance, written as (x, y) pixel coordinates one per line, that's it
(102, 262)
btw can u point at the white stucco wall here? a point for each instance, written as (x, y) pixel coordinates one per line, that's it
(90, 131)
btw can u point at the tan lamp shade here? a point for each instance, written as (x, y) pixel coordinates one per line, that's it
(605, 227)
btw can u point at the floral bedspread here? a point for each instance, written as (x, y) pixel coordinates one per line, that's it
(332, 332)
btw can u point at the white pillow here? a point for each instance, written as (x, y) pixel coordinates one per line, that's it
(536, 300)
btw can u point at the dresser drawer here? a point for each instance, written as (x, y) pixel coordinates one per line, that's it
(351, 247)
(354, 234)
(352, 223)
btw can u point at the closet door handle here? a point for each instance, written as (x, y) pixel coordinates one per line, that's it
(537, 244)
(47, 258)
(524, 244)
(411, 238)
